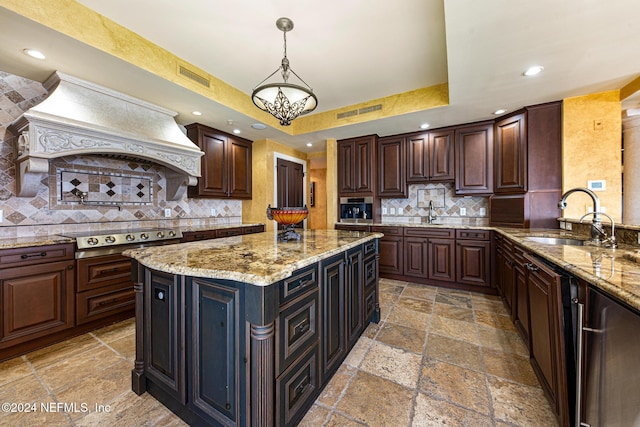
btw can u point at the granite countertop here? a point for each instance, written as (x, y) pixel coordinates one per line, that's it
(29, 241)
(259, 259)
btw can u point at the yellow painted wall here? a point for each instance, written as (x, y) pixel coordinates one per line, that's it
(263, 177)
(332, 182)
(318, 212)
(592, 132)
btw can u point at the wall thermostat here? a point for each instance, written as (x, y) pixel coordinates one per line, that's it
(597, 185)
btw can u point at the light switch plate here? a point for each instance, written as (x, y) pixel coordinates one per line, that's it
(483, 211)
(1, 215)
(167, 213)
(567, 226)
(463, 211)
(400, 211)
(392, 211)
(384, 211)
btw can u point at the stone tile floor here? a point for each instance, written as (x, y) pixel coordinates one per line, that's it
(438, 357)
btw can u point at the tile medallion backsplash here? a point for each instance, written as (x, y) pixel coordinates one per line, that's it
(445, 203)
(138, 188)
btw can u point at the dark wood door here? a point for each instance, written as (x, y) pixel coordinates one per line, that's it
(346, 169)
(474, 159)
(239, 174)
(356, 166)
(441, 156)
(510, 155)
(416, 260)
(391, 254)
(391, 167)
(334, 346)
(521, 309)
(290, 178)
(213, 182)
(36, 301)
(473, 262)
(442, 260)
(355, 295)
(418, 157)
(508, 281)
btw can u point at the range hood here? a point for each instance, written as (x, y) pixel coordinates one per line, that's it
(82, 118)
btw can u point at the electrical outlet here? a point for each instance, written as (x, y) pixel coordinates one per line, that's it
(214, 212)
(400, 211)
(167, 213)
(392, 211)
(1, 215)
(483, 211)
(463, 211)
(567, 226)
(384, 211)
(563, 225)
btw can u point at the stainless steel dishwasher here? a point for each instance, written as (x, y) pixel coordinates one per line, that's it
(611, 364)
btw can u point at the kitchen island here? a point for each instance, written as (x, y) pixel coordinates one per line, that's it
(247, 330)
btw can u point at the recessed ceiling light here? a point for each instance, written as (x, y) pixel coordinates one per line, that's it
(309, 144)
(196, 113)
(424, 126)
(259, 126)
(236, 131)
(532, 71)
(500, 111)
(34, 53)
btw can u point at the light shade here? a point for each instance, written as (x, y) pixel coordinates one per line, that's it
(284, 101)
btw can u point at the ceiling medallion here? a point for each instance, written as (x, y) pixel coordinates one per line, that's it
(284, 101)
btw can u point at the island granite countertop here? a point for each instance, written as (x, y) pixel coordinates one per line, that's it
(259, 259)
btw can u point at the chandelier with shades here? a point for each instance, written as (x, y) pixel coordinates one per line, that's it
(284, 101)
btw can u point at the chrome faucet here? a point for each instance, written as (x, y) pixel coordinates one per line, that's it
(431, 217)
(607, 241)
(596, 225)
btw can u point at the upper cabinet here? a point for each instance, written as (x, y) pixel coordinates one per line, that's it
(430, 156)
(356, 163)
(474, 159)
(510, 154)
(392, 166)
(226, 164)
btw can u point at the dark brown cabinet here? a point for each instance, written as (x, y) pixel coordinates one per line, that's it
(37, 296)
(391, 248)
(510, 155)
(354, 295)
(429, 253)
(528, 168)
(474, 159)
(356, 166)
(193, 236)
(334, 344)
(520, 311)
(430, 156)
(547, 340)
(392, 182)
(226, 164)
(473, 262)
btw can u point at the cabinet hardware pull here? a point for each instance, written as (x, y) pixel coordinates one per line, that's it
(110, 270)
(69, 267)
(101, 303)
(41, 254)
(301, 327)
(301, 386)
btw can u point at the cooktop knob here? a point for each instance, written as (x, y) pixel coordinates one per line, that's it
(172, 233)
(144, 236)
(160, 234)
(130, 237)
(110, 239)
(92, 241)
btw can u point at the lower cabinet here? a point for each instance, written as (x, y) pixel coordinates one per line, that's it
(473, 257)
(334, 345)
(391, 249)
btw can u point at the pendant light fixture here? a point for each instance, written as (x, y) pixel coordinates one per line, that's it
(284, 101)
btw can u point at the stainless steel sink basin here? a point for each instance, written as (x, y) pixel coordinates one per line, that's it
(556, 241)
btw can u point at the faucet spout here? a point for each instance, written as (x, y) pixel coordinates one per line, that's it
(562, 204)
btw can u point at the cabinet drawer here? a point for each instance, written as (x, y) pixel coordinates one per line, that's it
(473, 234)
(370, 247)
(35, 255)
(387, 231)
(228, 232)
(104, 302)
(300, 281)
(103, 271)
(296, 389)
(253, 229)
(194, 236)
(441, 233)
(297, 328)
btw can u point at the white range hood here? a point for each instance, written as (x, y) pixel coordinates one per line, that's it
(82, 118)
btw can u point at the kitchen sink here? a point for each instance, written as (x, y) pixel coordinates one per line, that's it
(555, 241)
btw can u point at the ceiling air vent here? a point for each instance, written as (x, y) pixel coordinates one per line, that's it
(364, 110)
(192, 75)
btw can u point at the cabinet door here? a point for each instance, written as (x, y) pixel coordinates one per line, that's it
(213, 182)
(355, 295)
(214, 340)
(364, 165)
(391, 254)
(334, 346)
(239, 173)
(508, 282)
(391, 167)
(442, 260)
(36, 301)
(346, 171)
(521, 309)
(547, 342)
(416, 261)
(441, 156)
(473, 262)
(418, 157)
(474, 159)
(164, 332)
(511, 155)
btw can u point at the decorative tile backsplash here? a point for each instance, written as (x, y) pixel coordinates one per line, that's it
(445, 202)
(139, 188)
